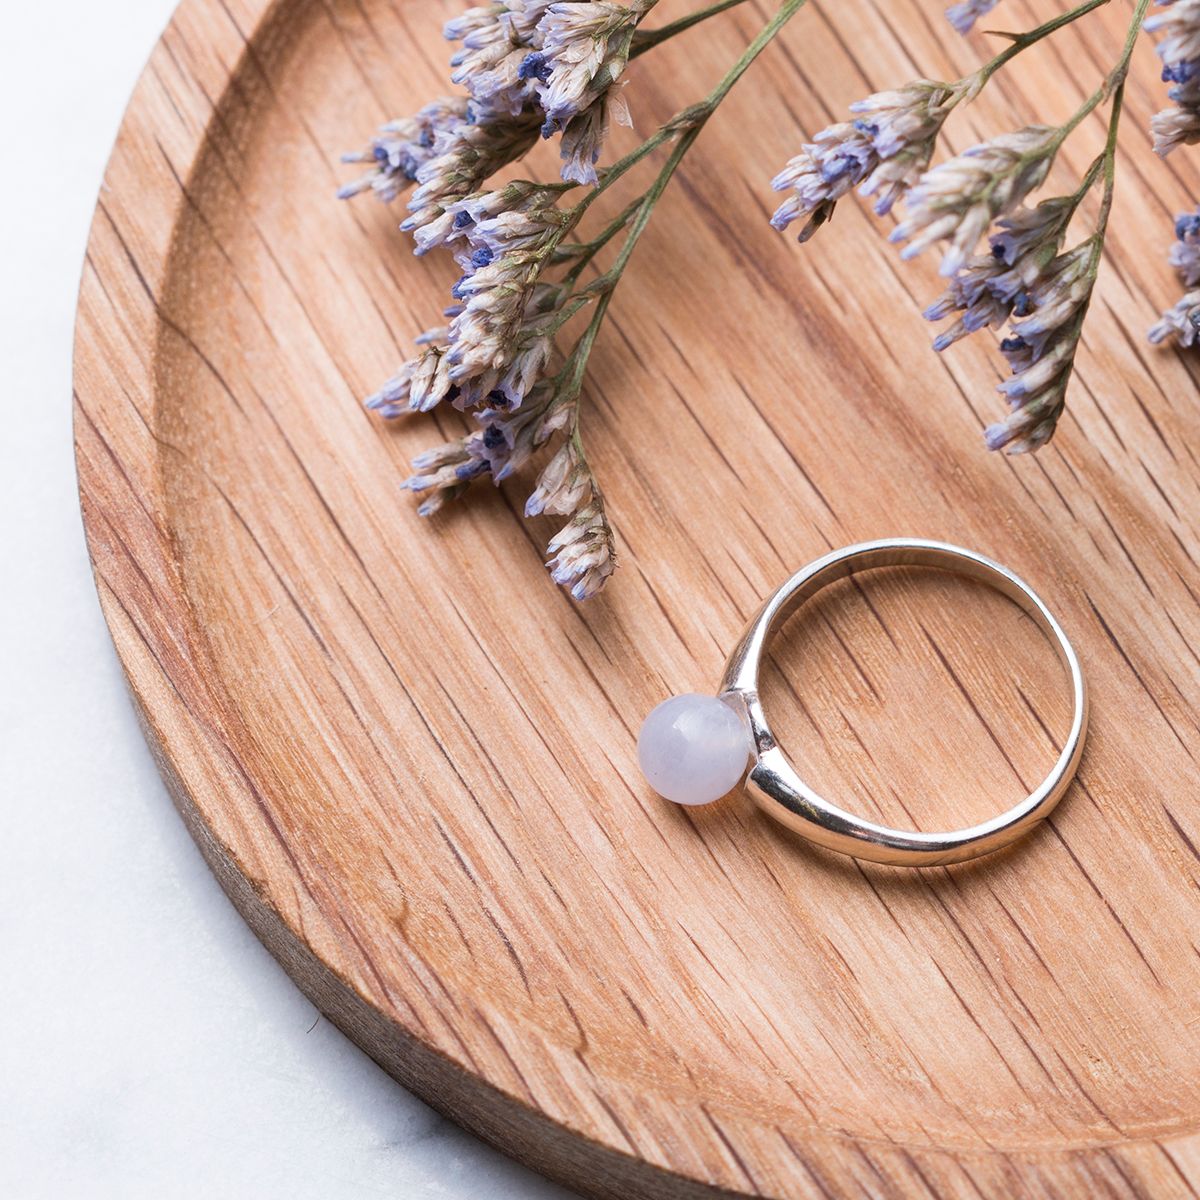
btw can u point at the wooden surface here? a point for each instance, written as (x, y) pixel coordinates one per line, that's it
(410, 759)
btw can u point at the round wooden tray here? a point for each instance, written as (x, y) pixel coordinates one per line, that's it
(410, 759)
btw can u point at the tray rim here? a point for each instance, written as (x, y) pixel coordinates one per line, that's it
(501, 1117)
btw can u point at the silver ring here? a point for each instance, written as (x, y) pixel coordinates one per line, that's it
(778, 789)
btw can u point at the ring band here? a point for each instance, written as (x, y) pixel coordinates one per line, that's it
(779, 790)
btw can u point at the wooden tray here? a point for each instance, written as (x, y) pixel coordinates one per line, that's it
(410, 759)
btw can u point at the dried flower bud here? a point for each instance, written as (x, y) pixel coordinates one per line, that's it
(467, 156)
(1179, 50)
(421, 384)
(403, 147)
(883, 151)
(583, 554)
(446, 471)
(508, 440)
(964, 15)
(958, 200)
(1182, 320)
(585, 134)
(1176, 126)
(995, 286)
(496, 39)
(1041, 351)
(564, 484)
(1185, 253)
(585, 48)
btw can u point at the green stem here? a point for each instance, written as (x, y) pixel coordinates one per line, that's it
(647, 39)
(584, 252)
(1085, 184)
(1104, 164)
(606, 284)
(1113, 85)
(787, 10)
(971, 85)
(650, 199)
(1022, 41)
(697, 113)
(1108, 160)
(691, 121)
(610, 175)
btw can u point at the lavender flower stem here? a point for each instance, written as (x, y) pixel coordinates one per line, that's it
(699, 113)
(695, 118)
(651, 197)
(766, 35)
(584, 252)
(1114, 86)
(647, 39)
(1104, 165)
(1108, 157)
(1022, 41)
(1109, 160)
(1045, 342)
(692, 120)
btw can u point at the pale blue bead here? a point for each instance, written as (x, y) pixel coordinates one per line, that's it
(693, 749)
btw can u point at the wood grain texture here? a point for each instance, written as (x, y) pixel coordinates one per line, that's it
(410, 759)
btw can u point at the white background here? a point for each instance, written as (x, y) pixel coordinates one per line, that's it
(149, 1047)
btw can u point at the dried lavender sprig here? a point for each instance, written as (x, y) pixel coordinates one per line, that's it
(575, 57)
(1027, 280)
(1179, 50)
(956, 201)
(581, 555)
(585, 134)
(402, 147)
(685, 127)
(406, 144)
(886, 149)
(499, 448)
(1182, 320)
(1042, 348)
(1042, 351)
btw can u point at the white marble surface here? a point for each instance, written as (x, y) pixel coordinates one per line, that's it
(149, 1047)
